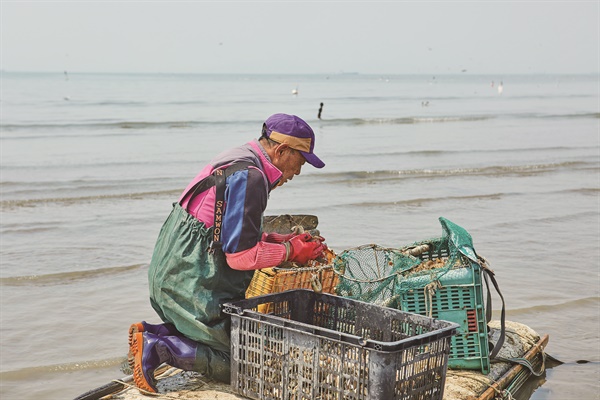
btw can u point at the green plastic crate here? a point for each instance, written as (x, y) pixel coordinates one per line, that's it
(460, 300)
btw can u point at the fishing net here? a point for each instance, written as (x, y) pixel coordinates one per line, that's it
(381, 275)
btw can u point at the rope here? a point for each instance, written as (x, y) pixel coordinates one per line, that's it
(364, 280)
(303, 269)
(523, 361)
(489, 383)
(133, 386)
(526, 363)
(429, 292)
(388, 302)
(316, 283)
(172, 372)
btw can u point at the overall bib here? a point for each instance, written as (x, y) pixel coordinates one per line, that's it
(188, 284)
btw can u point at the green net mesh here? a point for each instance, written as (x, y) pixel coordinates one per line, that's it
(381, 275)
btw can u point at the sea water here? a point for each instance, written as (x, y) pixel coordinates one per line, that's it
(91, 163)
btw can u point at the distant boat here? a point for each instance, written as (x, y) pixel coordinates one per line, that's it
(295, 91)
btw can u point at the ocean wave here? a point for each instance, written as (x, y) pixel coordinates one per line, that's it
(331, 178)
(104, 128)
(26, 230)
(112, 124)
(423, 200)
(528, 150)
(100, 163)
(417, 202)
(12, 204)
(591, 191)
(62, 278)
(554, 308)
(145, 125)
(36, 131)
(567, 218)
(86, 126)
(404, 120)
(146, 103)
(574, 116)
(394, 152)
(498, 170)
(33, 373)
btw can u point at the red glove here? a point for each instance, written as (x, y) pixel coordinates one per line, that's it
(319, 238)
(273, 237)
(316, 235)
(303, 248)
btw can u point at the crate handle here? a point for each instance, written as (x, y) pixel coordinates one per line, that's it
(230, 309)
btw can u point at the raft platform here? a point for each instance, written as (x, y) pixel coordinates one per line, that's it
(503, 382)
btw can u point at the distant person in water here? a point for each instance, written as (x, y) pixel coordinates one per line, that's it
(209, 247)
(320, 110)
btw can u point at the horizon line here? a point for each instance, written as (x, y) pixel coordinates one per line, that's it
(295, 73)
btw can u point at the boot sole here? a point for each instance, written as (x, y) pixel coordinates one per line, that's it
(133, 330)
(138, 374)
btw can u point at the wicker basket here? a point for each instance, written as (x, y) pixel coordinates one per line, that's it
(319, 277)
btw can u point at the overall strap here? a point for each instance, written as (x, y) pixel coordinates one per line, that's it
(217, 178)
(488, 275)
(208, 182)
(220, 178)
(219, 203)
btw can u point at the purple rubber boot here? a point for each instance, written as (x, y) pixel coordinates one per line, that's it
(153, 350)
(165, 329)
(179, 352)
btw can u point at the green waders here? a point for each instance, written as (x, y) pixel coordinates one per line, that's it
(188, 285)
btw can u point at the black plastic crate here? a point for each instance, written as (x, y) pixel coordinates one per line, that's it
(319, 346)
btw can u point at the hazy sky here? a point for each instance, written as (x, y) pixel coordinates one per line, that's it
(301, 37)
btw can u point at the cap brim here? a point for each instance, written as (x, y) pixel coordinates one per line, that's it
(313, 160)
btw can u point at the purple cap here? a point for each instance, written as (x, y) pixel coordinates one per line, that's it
(294, 132)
